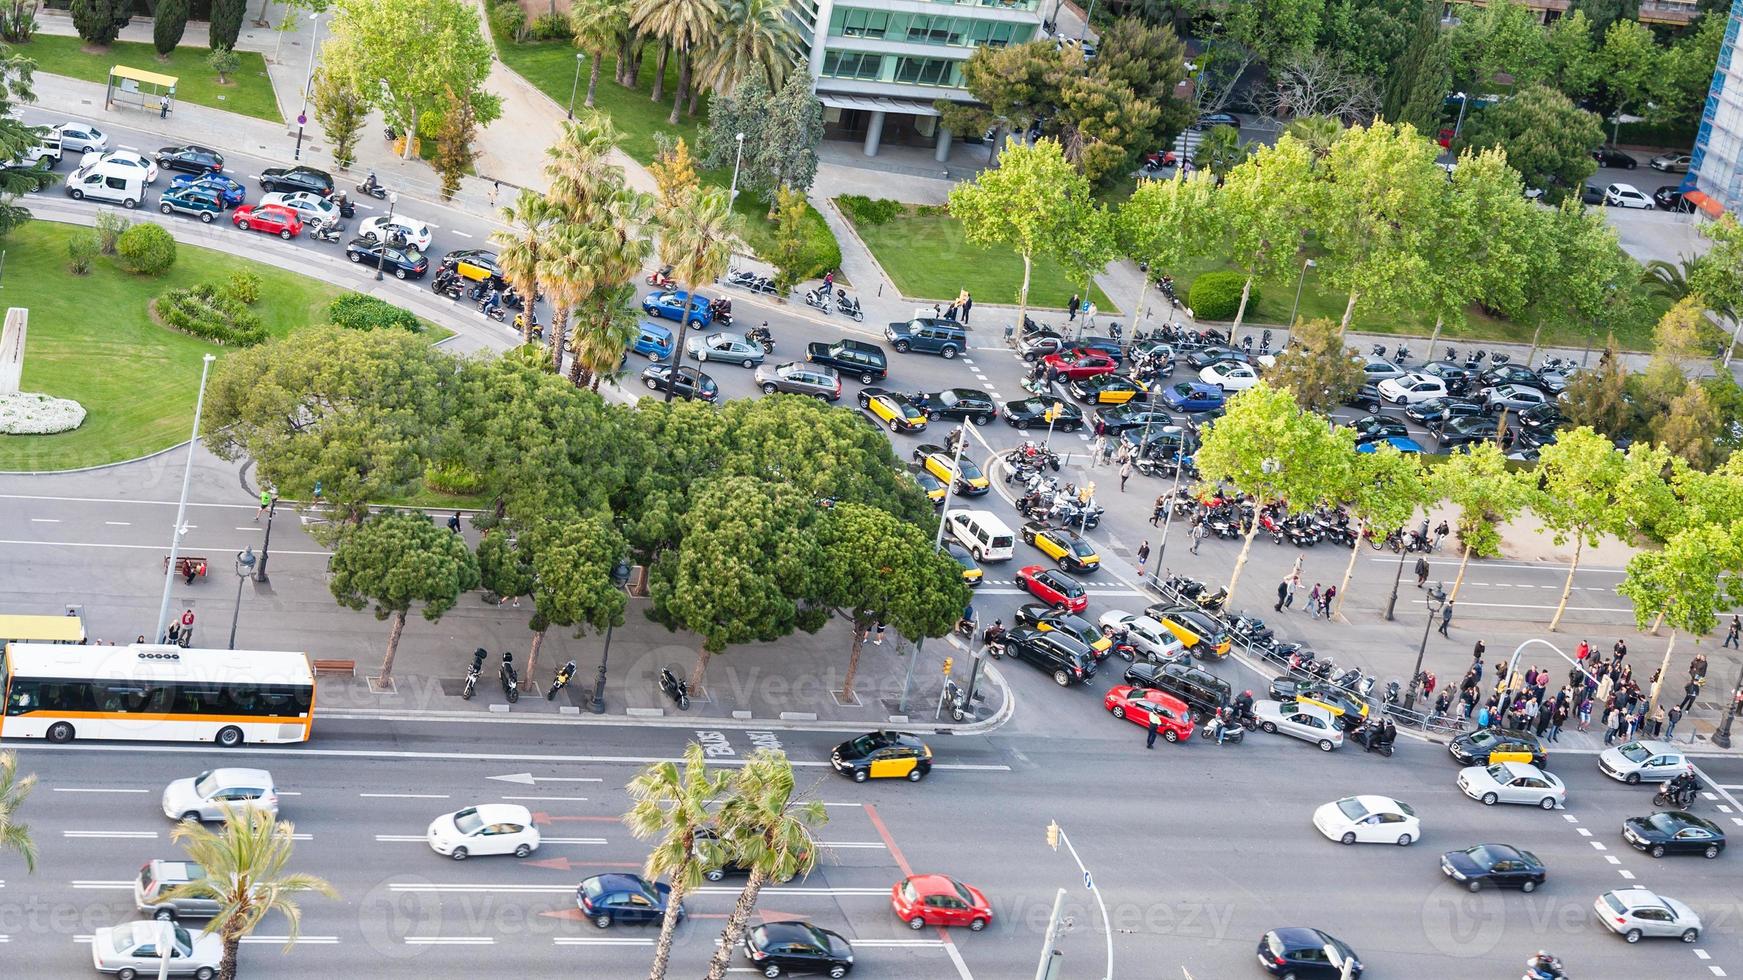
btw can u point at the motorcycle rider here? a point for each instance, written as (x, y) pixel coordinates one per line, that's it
(370, 184)
(1682, 789)
(994, 633)
(1221, 720)
(1243, 706)
(1545, 966)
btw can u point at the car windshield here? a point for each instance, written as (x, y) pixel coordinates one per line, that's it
(467, 821)
(1665, 822)
(205, 784)
(1483, 857)
(1498, 773)
(1634, 752)
(962, 892)
(1352, 808)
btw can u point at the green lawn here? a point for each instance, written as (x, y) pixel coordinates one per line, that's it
(249, 91)
(92, 340)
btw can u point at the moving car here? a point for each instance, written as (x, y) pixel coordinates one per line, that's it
(939, 900)
(1106, 389)
(1306, 954)
(1079, 363)
(197, 201)
(78, 137)
(1133, 415)
(1297, 719)
(1654, 762)
(1486, 746)
(122, 158)
(774, 948)
(404, 263)
(204, 797)
(1609, 156)
(1627, 196)
(892, 409)
(927, 335)
(1501, 865)
(1674, 832)
(1138, 705)
(882, 754)
(1066, 547)
(689, 382)
(1218, 119)
(1638, 913)
(972, 576)
(969, 481)
(477, 264)
(1345, 708)
(1038, 413)
(1192, 396)
(1368, 820)
(488, 828)
(1437, 411)
(1203, 691)
(1201, 634)
(151, 891)
(190, 159)
(931, 486)
(854, 358)
(731, 348)
(960, 403)
(1513, 782)
(130, 950)
(620, 897)
(1147, 636)
(1046, 618)
(230, 190)
(415, 232)
(1053, 587)
(799, 378)
(1053, 651)
(1672, 163)
(268, 218)
(669, 304)
(1412, 388)
(312, 208)
(297, 179)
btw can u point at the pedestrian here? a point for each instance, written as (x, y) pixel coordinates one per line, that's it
(1282, 594)
(1446, 618)
(1690, 691)
(1313, 601)
(175, 632)
(187, 627)
(1477, 653)
(1331, 592)
(1585, 714)
(454, 523)
(1582, 651)
(1656, 726)
(495, 189)
(1150, 731)
(1125, 473)
(1440, 532)
(967, 304)
(1428, 683)
(1620, 650)
(1197, 533)
(1097, 449)
(1734, 632)
(1143, 557)
(140, 639)
(879, 640)
(1441, 705)
(1089, 312)
(265, 503)
(1671, 717)
(1071, 308)
(163, 107)
(1160, 510)
(829, 282)
(1469, 699)
(1483, 717)
(1421, 571)
(1294, 586)
(1698, 668)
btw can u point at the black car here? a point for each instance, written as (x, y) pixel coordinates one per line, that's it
(1345, 706)
(1132, 415)
(1437, 411)
(1510, 374)
(1372, 428)
(1459, 432)
(1670, 198)
(1609, 156)
(1458, 378)
(1031, 413)
(1479, 748)
(1595, 196)
(1367, 398)
(1500, 865)
(621, 897)
(690, 383)
(775, 948)
(190, 159)
(853, 358)
(403, 262)
(1204, 692)
(1538, 419)
(882, 755)
(959, 403)
(1058, 653)
(1143, 674)
(1218, 119)
(1215, 354)
(1674, 832)
(1307, 954)
(287, 179)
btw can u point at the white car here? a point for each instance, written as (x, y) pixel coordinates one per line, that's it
(204, 796)
(1412, 388)
(312, 208)
(80, 137)
(417, 234)
(1230, 376)
(1627, 196)
(1653, 762)
(1368, 820)
(488, 828)
(124, 157)
(1146, 635)
(1638, 913)
(1513, 782)
(130, 950)
(1308, 722)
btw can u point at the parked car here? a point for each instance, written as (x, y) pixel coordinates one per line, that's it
(125, 158)
(269, 218)
(404, 263)
(197, 201)
(1626, 196)
(1210, 119)
(799, 378)
(1671, 163)
(1609, 156)
(1593, 195)
(960, 403)
(297, 179)
(190, 159)
(689, 382)
(1670, 198)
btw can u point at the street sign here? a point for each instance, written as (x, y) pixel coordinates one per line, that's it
(302, 119)
(1087, 881)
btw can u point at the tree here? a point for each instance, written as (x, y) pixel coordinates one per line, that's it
(1688, 70)
(1581, 272)
(168, 22)
(699, 234)
(1271, 450)
(1087, 246)
(1684, 333)
(1498, 38)
(1316, 368)
(1166, 222)
(683, 25)
(341, 112)
(1320, 84)
(1375, 207)
(788, 256)
(15, 835)
(571, 561)
(224, 62)
(1547, 139)
(531, 220)
(786, 150)
(99, 22)
(1370, 37)
(599, 27)
(1486, 493)
(245, 862)
(1485, 242)
(1220, 150)
(673, 170)
(1573, 63)
(454, 136)
(1585, 484)
(671, 805)
(1027, 204)
(1689, 428)
(1685, 584)
(16, 138)
(226, 23)
(1017, 84)
(394, 561)
(755, 37)
(1718, 278)
(607, 312)
(1103, 125)
(1265, 212)
(1151, 60)
(1317, 132)
(767, 830)
(1598, 399)
(1418, 84)
(1632, 66)
(1383, 489)
(744, 109)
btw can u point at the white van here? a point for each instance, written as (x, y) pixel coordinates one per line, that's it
(983, 534)
(108, 181)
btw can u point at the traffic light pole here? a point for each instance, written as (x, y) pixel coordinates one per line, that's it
(1056, 836)
(1049, 955)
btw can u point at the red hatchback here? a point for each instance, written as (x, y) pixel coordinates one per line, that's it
(1057, 589)
(1138, 704)
(1079, 363)
(271, 218)
(939, 900)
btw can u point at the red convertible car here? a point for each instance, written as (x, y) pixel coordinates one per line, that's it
(271, 218)
(1053, 587)
(1079, 363)
(1138, 704)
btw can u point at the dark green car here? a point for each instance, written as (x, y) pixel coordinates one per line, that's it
(200, 202)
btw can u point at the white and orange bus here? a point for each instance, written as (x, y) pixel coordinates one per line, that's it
(156, 692)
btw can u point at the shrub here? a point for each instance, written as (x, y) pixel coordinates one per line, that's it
(81, 249)
(933, 210)
(224, 63)
(207, 312)
(867, 212)
(109, 227)
(146, 250)
(453, 477)
(551, 27)
(243, 287)
(356, 311)
(1217, 295)
(508, 21)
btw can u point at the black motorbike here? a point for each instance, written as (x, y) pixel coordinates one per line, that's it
(472, 673)
(510, 680)
(372, 187)
(847, 305)
(675, 688)
(762, 337)
(565, 674)
(1376, 738)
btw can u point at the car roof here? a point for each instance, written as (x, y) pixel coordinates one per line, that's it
(790, 930)
(1635, 897)
(1298, 937)
(1378, 804)
(1516, 769)
(503, 813)
(239, 777)
(614, 880)
(1625, 188)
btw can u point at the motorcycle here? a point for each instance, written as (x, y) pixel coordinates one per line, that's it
(819, 299)
(761, 336)
(1544, 967)
(510, 680)
(1232, 734)
(1668, 795)
(372, 187)
(496, 311)
(565, 674)
(448, 283)
(343, 203)
(661, 278)
(674, 688)
(325, 231)
(472, 673)
(1374, 738)
(848, 305)
(745, 279)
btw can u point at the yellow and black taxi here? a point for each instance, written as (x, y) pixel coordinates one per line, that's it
(1066, 547)
(1490, 745)
(893, 409)
(1202, 636)
(931, 486)
(971, 573)
(1047, 619)
(938, 461)
(1107, 389)
(882, 755)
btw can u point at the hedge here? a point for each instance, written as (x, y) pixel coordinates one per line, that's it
(146, 249)
(356, 311)
(866, 212)
(209, 312)
(1217, 295)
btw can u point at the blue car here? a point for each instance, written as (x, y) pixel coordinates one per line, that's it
(228, 191)
(1192, 396)
(609, 898)
(1403, 444)
(669, 304)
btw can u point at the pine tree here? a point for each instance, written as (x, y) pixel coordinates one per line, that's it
(168, 25)
(226, 23)
(1417, 89)
(100, 21)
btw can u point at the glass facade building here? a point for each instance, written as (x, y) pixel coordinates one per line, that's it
(1715, 179)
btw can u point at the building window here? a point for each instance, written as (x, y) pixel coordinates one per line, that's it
(855, 22)
(926, 71)
(935, 29)
(996, 34)
(853, 64)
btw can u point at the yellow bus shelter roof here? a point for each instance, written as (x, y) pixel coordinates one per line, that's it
(42, 629)
(141, 75)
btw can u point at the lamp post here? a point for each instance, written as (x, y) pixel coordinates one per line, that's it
(1300, 281)
(1055, 837)
(580, 56)
(392, 199)
(619, 577)
(732, 195)
(244, 568)
(308, 83)
(1722, 737)
(266, 545)
(937, 545)
(181, 524)
(1436, 599)
(1392, 603)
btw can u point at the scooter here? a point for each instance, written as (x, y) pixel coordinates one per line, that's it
(510, 681)
(326, 231)
(675, 688)
(662, 278)
(472, 673)
(372, 187)
(848, 305)
(818, 299)
(1544, 967)
(565, 674)
(1232, 734)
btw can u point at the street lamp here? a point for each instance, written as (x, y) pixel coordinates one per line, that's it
(266, 545)
(1436, 599)
(1300, 281)
(181, 525)
(619, 577)
(244, 568)
(1722, 737)
(580, 56)
(732, 195)
(308, 83)
(381, 257)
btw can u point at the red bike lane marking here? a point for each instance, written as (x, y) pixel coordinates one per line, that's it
(871, 812)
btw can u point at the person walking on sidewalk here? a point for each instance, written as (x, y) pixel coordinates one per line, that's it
(1736, 630)
(1160, 510)
(1585, 713)
(1421, 571)
(1446, 619)
(1690, 691)
(1313, 601)
(1671, 717)
(1197, 532)
(454, 523)
(1125, 473)
(1620, 650)
(1071, 308)
(1143, 557)
(1282, 594)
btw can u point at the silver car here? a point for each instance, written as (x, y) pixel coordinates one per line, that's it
(1653, 762)
(725, 347)
(204, 797)
(1512, 782)
(158, 878)
(1308, 722)
(800, 378)
(1640, 913)
(1146, 635)
(131, 950)
(1513, 397)
(78, 137)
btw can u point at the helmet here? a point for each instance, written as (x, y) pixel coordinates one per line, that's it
(1246, 694)
(507, 657)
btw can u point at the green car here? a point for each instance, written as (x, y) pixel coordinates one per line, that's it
(200, 202)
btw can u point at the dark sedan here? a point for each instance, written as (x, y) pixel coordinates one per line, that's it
(1436, 411)
(690, 383)
(1674, 832)
(404, 263)
(607, 898)
(1488, 745)
(1539, 419)
(1370, 428)
(287, 179)
(190, 159)
(1031, 413)
(1214, 354)
(1510, 374)
(1461, 432)
(1367, 398)
(1307, 954)
(1458, 378)
(1670, 198)
(1498, 865)
(1609, 156)
(775, 948)
(959, 403)
(1132, 416)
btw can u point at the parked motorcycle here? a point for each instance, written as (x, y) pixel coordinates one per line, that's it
(848, 305)
(510, 680)
(819, 298)
(471, 687)
(675, 688)
(565, 674)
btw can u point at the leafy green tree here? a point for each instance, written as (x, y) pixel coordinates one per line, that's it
(15, 834)
(1088, 245)
(1689, 427)
(1485, 244)
(1685, 584)
(1501, 38)
(671, 804)
(1318, 132)
(1316, 367)
(530, 223)
(1104, 125)
(1486, 493)
(394, 561)
(1573, 62)
(1633, 68)
(224, 62)
(341, 111)
(1275, 29)
(1547, 138)
(744, 108)
(168, 22)
(245, 862)
(1371, 38)
(1581, 272)
(1376, 206)
(755, 37)
(1688, 70)
(788, 256)
(1017, 84)
(1383, 489)
(1266, 214)
(99, 22)
(1603, 13)
(786, 148)
(1585, 484)
(1151, 60)
(226, 23)
(16, 138)
(572, 560)
(699, 235)
(1598, 399)
(1166, 222)
(1718, 278)
(454, 135)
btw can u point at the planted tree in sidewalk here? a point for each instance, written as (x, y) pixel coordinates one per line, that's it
(341, 112)
(564, 563)
(1374, 213)
(1599, 398)
(15, 834)
(671, 805)
(1586, 489)
(1581, 277)
(1166, 222)
(1383, 489)
(1265, 214)
(1487, 495)
(1027, 204)
(1086, 247)
(99, 22)
(1316, 367)
(764, 827)
(246, 861)
(225, 25)
(395, 561)
(168, 22)
(1685, 585)
(454, 136)
(698, 237)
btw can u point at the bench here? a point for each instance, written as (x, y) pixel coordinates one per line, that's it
(346, 667)
(188, 567)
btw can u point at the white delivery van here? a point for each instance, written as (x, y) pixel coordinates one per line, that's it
(108, 181)
(985, 536)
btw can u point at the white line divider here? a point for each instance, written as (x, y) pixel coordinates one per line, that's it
(850, 843)
(600, 941)
(796, 890)
(450, 940)
(901, 943)
(81, 789)
(85, 939)
(419, 886)
(124, 834)
(91, 885)
(404, 796)
(419, 839)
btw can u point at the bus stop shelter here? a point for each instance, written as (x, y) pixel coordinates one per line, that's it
(136, 86)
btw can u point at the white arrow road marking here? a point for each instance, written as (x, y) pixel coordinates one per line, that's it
(528, 779)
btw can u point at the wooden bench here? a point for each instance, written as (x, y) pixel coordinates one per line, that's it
(346, 667)
(188, 567)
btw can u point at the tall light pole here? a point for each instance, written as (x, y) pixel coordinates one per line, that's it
(1055, 837)
(1436, 599)
(244, 569)
(392, 199)
(732, 195)
(580, 56)
(1722, 737)
(619, 577)
(181, 525)
(937, 545)
(1403, 552)
(308, 83)
(1299, 282)
(266, 545)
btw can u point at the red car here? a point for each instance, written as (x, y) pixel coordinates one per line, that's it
(273, 219)
(1079, 363)
(1057, 589)
(939, 900)
(1138, 704)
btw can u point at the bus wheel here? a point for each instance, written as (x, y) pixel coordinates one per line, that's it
(60, 731)
(229, 736)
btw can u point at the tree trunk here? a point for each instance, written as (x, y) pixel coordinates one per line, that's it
(1568, 586)
(1657, 623)
(1349, 313)
(533, 662)
(1350, 569)
(411, 133)
(1241, 311)
(1531, 354)
(1459, 579)
(1434, 338)
(559, 333)
(638, 48)
(1023, 294)
(683, 86)
(394, 630)
(660, 72)
(592, 82)
(1663, 674)
(735, 925)
(623, 73)
(227, 963)
(668, 932)
(853, 660)
(701, 668)
(1241, 560)
(261, 21)
(1138, 311)
(678, 344)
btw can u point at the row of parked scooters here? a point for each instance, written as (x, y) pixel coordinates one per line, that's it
(820, 297)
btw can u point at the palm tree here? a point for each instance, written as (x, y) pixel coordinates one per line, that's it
(15, 836)
(566, 269)
(1318, 132)
(1219, 151)
(1670, 280)
(245, 874)
(605, 327)
(670, 806)
(754, 36)
(768, 831)
(579, 163)
(599, 26)
(698, 235)
(607, 314)
(531, 220)
(682, 24)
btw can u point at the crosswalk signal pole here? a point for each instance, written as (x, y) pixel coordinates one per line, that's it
(1049, 955)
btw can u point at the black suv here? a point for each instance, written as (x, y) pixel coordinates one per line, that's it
(960, 403)
(1067, 659)
(854, 358)
(1203, 691)
(190, 159)
(287, 179)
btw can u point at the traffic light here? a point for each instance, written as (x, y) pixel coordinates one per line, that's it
(1053, 834)
(947, 662)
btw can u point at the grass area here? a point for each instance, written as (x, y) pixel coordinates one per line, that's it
(926, 257)
(92, 340)
(249, 91)
(550, 66)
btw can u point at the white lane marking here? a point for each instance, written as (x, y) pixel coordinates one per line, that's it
(1613, 859)
(1715, 970)
(1597, 846)
(956, 958)
(130, 149)
(44, 520)
(404, 796)
(85, 939)
(1724, 809)
(1702, 954)
(460, 233)
(93, 885)
(1545, 566)
(1570, 818)
(1710, 796)
(564, 799)
(95, 789)
(450, 940)
(118, 834)
(574, 840)
(117, 500)
(901, 943)
(1512, 605)
(254, 527)
(1583, 832)
(600, 941)
(119, 523)
(288, 792)
(528, 779)
(1624, 872)
(845, 804)
(150, 547)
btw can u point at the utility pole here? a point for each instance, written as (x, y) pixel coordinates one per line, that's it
(937, 545)
(181, 525)
(1049, 955)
